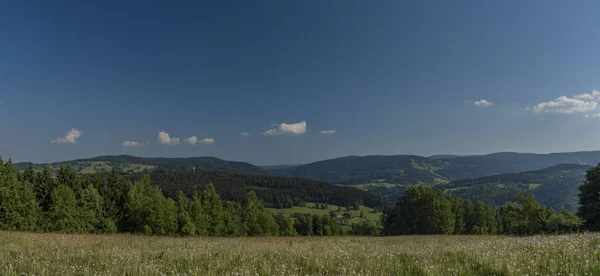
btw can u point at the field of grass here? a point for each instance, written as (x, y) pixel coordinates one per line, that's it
(57, 254)
(310, 209)
(533, 186)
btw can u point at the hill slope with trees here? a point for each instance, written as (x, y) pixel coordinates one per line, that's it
(133, 164)
(274, 191)
(556, 186)
(412, 169)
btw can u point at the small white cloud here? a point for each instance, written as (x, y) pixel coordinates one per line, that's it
(283, 128)
(564, 105)
(165, 139)
(482, 103)
(331, 131)
(271, 132)
(595, 95)
(192, 140)
(131, 144)
(593, 115)
(207, 141)
(70, 138)
(244, 134)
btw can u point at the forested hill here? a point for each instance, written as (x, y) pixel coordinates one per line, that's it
(274, 191)
(556, 186)
(412, 169)
(394, 169)
(132, 164)
(401, 169)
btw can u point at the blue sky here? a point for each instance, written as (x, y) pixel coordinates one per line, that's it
(390, 77)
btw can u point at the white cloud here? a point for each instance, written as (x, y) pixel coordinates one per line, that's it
(482, 103)
(244, 134)
(331, 131)
(165, 139)
(283, 128)
(131, 144)
(192, 140)
(595, 95)
(70, 138)
(564, 105)
(271, 132)
(207, 141)
(593, 115)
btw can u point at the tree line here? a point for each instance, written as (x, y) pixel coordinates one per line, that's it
(72, 203)
(274, 191)
(424, 210)
(68, 202)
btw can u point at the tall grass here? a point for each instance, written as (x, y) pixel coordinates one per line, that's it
(57, 254)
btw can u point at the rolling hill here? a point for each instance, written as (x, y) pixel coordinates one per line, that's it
(400, 169)
(440, 169)
(272, 190)
(556, 186)
(132, 164)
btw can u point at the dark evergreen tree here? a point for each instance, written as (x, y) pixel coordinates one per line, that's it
(589, 199)
(18, 207)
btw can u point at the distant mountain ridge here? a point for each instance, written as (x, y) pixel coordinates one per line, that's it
(394, 169)
(438, 169)
(133, 164)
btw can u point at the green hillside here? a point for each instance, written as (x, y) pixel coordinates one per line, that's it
(91, 167)
(400, 169)
(274, 191)
(368, 213)
(132, 164)
(435, 170)
(556, 186)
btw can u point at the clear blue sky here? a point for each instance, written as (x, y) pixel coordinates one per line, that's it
(390, 77)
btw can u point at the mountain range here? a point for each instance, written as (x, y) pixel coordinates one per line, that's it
(412, 169)
(495, 178)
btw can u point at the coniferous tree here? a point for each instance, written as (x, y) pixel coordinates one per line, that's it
(589, 199)
(43, 186)
(198, 216)
(18, 207)
(115, 193)
(469, 217)
(68, 177)
(28, 175)
(458, 209)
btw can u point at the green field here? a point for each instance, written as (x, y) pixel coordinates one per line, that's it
(57, 254)
(310, 209)
(533, 186)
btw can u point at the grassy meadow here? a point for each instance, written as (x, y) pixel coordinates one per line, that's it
(310, 209)
(58, 254)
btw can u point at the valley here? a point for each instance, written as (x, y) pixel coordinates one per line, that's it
(493, 178)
